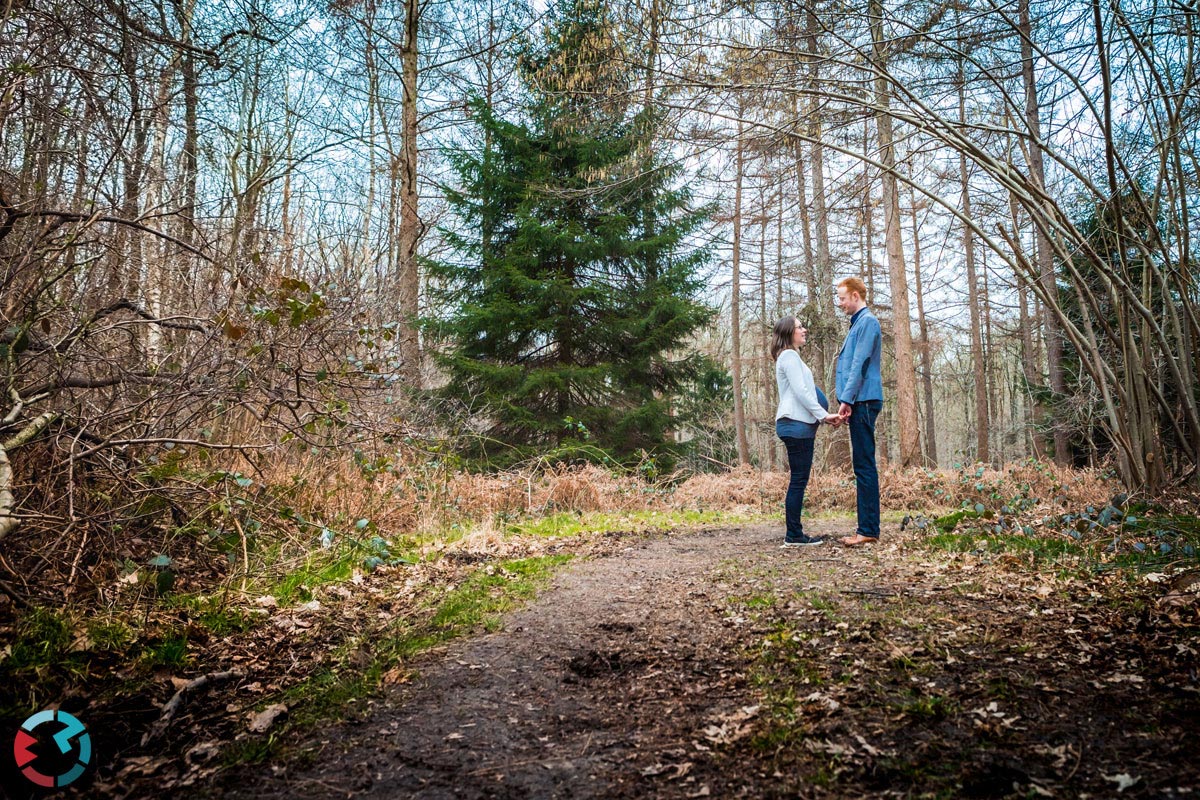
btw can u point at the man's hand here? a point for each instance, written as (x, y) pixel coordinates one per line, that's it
(833, 419)
(844, 411)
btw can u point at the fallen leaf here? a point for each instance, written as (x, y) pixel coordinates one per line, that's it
(263, 720)
(1121, 677)
(202, 753)
(825, 700)
(1123, 781)
(829, 747)
(393, 676)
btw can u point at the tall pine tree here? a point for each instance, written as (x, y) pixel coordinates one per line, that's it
(573, 288)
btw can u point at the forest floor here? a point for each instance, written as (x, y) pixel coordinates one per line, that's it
(648, 653)
(712, 663)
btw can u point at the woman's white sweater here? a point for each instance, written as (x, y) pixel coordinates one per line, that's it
(797, 391)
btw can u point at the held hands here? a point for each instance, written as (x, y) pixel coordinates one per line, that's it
(841, 417)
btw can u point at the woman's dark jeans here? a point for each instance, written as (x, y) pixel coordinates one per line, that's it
(800, 458)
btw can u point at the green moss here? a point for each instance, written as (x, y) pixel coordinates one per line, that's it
(43, 639)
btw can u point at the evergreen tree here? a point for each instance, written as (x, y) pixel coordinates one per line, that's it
(573, 288)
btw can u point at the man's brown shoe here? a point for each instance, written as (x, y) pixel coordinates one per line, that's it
(857, 540)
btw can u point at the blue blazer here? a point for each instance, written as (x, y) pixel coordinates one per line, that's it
(858, 361)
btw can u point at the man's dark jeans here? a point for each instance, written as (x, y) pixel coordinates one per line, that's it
(866, 475)
(800, 458)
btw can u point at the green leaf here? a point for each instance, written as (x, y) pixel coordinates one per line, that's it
(164, 581)
(160, 561)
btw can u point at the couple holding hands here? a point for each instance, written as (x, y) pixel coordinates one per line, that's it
(803, 407)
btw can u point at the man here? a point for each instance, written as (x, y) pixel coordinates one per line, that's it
(860, 393)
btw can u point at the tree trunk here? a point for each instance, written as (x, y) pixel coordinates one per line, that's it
(775, 444)
(1044, 253)
(906, 390)
(931, 458)
(762, 358)
(410, 222)
(990, 365)
(978, 368)
(824, 314)
(191, 136)
(1030, 357)
(739, 411)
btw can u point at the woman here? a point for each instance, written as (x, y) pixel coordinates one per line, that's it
(802, 408)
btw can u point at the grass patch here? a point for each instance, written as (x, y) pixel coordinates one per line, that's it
(490, 592)
(214, 613)
(111, 634)
(755, 601)
(43, 639)
(252, 750)
(1040, 547)
(567, 524)
(1153, 543)
(821, 603)
(297, 586)
(170, 652)
(477, 603)
(928, 707)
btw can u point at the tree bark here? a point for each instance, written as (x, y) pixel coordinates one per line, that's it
(410, 222)
(978, 368)
(906, 391)
(931, 457)
(1043, 251)
(739, 411)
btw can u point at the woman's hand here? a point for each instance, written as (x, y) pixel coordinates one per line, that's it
(833, 419)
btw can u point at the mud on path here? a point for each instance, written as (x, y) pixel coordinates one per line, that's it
(714, 664)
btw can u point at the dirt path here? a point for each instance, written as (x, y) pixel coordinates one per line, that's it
(716, 664)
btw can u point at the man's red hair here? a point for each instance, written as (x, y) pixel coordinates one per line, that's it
(854, 285)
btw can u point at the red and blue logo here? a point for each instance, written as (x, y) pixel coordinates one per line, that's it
(53, 770)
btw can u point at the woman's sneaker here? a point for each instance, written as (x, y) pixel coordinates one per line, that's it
(802, 541)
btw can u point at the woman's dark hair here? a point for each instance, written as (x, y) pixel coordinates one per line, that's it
(781, 339)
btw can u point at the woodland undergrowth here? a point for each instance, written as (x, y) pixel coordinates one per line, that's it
(314, 582)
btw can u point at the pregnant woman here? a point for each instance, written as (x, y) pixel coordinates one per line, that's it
(802, 408)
